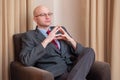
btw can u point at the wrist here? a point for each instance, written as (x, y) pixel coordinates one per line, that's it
(45, 43)
(73, 42)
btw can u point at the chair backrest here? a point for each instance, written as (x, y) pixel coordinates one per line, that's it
(17, 41)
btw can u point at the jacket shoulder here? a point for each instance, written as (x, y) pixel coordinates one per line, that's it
(30, 33)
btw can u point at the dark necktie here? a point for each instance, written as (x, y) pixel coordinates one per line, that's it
(53, 41)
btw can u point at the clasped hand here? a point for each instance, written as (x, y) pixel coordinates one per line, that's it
(63, 35)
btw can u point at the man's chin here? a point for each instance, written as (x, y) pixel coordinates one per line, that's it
(45, 25)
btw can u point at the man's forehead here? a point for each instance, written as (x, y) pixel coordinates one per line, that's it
(42, 8)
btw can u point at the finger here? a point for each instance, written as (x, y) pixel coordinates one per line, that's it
(55, 29)
(58, 29)
(62, 30)
(58, 35)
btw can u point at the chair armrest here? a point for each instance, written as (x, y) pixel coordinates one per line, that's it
(20, 72)
(99, 71)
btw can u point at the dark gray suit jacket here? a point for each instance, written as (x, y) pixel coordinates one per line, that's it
(49, 58)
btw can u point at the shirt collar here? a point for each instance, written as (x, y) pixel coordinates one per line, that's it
(43, 31)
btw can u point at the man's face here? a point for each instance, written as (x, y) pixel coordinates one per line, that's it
(43, 17)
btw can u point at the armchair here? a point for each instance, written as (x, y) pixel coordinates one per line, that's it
(99, 70)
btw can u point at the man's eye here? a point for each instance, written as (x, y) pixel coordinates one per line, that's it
(42, 15)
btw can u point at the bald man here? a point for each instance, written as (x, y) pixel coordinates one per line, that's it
(53, 49)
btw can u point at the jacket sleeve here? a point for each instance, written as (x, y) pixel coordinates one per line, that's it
(78, 50)
(30, 52)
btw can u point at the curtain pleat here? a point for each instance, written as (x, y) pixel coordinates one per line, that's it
(1, 23)
(116, 41)
(93, 23)
(100, 29)
(108, 33)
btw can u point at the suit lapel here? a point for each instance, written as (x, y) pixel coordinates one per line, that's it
(39, 35)
(53, 46)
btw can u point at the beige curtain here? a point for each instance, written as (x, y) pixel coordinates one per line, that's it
(103, 32)
(97, 24)
(15, 17)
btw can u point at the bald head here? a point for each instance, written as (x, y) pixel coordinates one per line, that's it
(42, 16)
(39, 9)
